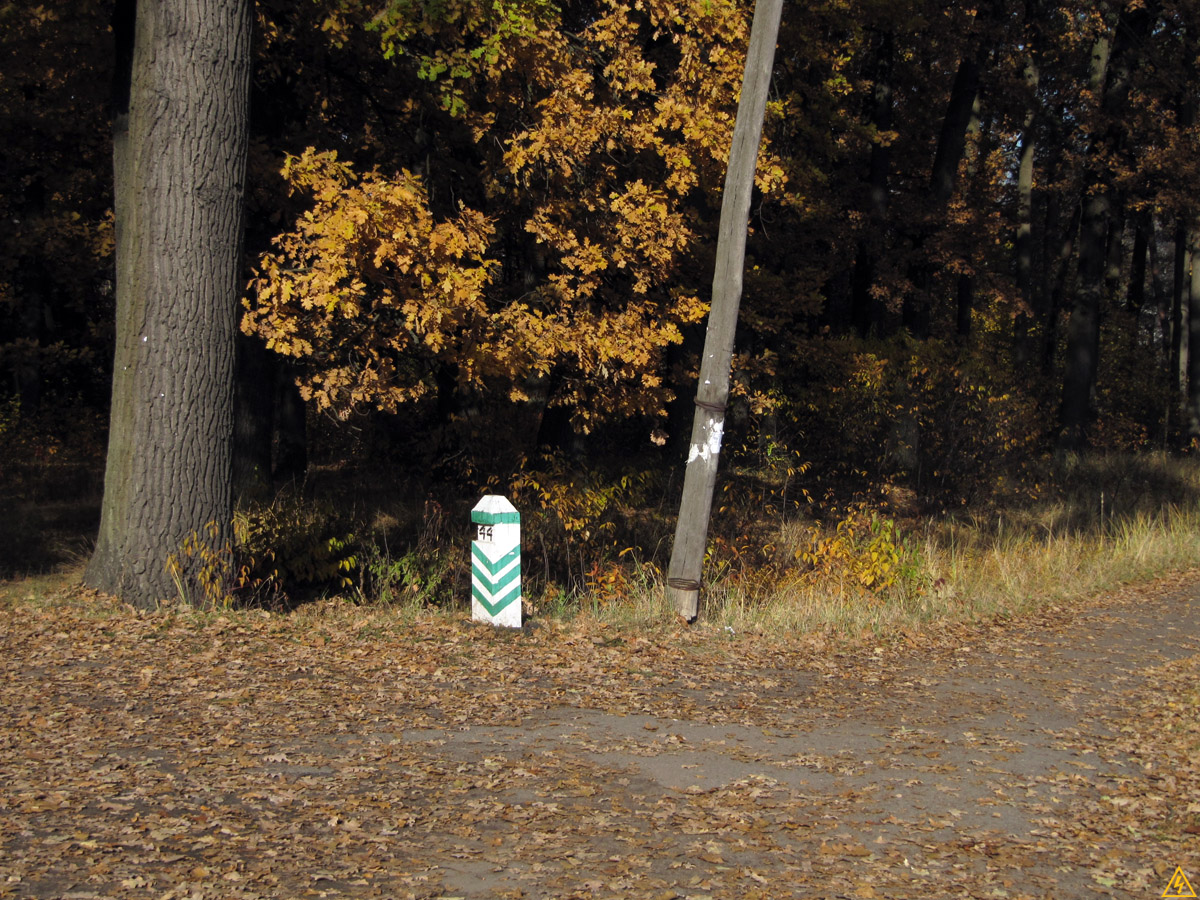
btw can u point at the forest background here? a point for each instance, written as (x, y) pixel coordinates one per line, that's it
(479, 239)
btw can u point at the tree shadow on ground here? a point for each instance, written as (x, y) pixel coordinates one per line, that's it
(1100, 494)
(49, 515)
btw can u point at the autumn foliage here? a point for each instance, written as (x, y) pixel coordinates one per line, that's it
(567, 267)
(479, 234)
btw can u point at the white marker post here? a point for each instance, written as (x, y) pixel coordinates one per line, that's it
(496, 562)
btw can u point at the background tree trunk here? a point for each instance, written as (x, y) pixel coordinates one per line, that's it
(1055, 268)
(1083, 330)
(255, 374)
(1024, 243)
(179, 185)
(1193, 336)
(864, 309)
(1181, 263)
(1114, 59)
(1135, 297)
(961, 109)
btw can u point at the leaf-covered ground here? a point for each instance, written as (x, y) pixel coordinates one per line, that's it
(345, 753)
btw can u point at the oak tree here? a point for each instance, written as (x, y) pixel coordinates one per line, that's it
(180, 135)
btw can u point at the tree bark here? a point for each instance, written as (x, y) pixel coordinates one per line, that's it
(864, 309)
(1113, 62)
(1193, 331)
(179, 169)
(961, 109)
(691, 530)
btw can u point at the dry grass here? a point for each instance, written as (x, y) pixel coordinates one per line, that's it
(1103, 523)
(1112, 521)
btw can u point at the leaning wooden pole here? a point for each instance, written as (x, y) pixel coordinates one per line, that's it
(691, 530)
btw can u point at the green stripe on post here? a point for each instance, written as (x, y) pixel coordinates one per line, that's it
(480, 560)
(493, 518)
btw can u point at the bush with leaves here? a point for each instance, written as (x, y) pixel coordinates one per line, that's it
(430, 570)
(291, 546)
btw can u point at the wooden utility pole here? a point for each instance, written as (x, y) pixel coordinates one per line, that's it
(691, 530)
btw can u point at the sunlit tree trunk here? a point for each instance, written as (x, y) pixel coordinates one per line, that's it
(179, 169)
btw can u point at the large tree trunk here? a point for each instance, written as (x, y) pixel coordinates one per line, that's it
(179, 171)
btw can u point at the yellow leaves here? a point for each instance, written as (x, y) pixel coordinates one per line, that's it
(369, 250)
(865, 551)
(690, 309)
(318, 171)
(607, 144)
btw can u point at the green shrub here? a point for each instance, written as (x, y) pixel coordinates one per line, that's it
(292, 545)
(428, 572)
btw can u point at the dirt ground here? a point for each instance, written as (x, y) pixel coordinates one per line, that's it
(171, 755)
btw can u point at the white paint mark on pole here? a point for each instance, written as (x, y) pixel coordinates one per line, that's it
(496, 562)
(711, 447)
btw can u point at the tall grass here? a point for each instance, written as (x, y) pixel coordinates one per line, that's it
(1094, 525)
(1109, 522)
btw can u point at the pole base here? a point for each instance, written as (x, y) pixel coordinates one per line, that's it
(686, 602)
